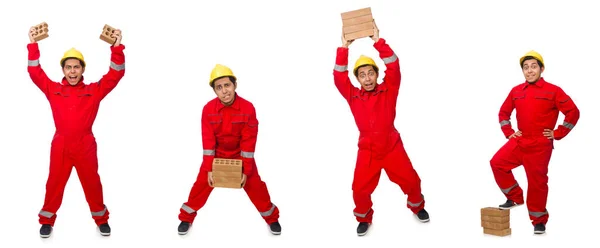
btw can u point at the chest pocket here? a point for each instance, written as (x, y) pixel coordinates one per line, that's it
(238, 122)
(519, 95)
(544, 100)
(215, 121)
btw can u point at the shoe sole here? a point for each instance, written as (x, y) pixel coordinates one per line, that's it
(45, 236)
(105, 234)
(362, 234)
(275, 233)
(511, 207)
(182, 233)
(423, 221)
(539, 232)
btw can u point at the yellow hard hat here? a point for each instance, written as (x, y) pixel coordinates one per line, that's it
(72, 53)
(364, 60)
(218, 72)
(534, 54)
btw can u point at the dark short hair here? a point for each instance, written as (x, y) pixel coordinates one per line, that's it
(212, 84)
(65, 61)
(374, 68)
(531, 57)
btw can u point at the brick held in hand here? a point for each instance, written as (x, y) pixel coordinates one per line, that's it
(107, 31)
(357, 24)
(41, 32)
(227, 173)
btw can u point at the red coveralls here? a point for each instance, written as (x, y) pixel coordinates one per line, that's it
(74, 109)
(537, 106)
(229, 132)
(379, 145)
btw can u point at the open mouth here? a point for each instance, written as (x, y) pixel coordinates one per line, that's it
(72, 77)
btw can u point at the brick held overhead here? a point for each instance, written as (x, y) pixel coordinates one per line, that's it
(357, 23)
(41, 32)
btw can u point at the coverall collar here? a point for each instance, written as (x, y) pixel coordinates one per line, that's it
(375, 90)
(235, 104)
(66, 83)
(540, 83)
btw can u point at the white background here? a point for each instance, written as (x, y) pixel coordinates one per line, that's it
(459, 59)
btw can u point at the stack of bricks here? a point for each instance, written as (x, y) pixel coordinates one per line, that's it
(227, 173)
(40, 32)
(107, 31)
(495, 221)
(357, 24)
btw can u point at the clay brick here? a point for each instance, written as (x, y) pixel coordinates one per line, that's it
(356, 13)
(495, 226)
(357, 24)
(360, 34)
(41, 31)
(227, 182)
(503, 232)
(358, 27)
(227, 173)
(357, 20)
(495, 219)
(107, 31)
(496, 212)
(229, 165)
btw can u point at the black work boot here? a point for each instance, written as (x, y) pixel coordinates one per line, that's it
(362, 228)
(45, 230)
(183, 228)
(275, 228)
(422, 215)
(539, 228)
(509, 204)
(104, 229)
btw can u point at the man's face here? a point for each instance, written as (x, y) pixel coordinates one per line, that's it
(367, 77)
(532, 70)
(225, 90)
(73, 71)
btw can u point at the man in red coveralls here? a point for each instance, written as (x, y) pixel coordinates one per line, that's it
(537, 104)
(74, 107)
(229, 130)
(379, 145)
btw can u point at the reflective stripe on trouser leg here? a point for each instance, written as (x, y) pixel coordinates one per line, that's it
(359, 215)
(46, 214)
(506, 190)
(538, 214)
(187, 209)
(268, 212)
(415, 205)
(100, 213)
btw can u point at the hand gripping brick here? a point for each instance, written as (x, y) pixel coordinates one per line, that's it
(227, 173)
(107, 31)
(41, 31)
(357, 24)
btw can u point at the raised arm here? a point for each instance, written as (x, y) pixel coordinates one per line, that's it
(116, 69)
(504, 116)
(340, 71)
(36, 73)
(209, 142)
(566, 106)
(392, 65)
(248, 143)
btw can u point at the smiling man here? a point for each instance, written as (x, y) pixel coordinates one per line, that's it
(74, 107)
(537, 104)
(229, 130)
(379, 145)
